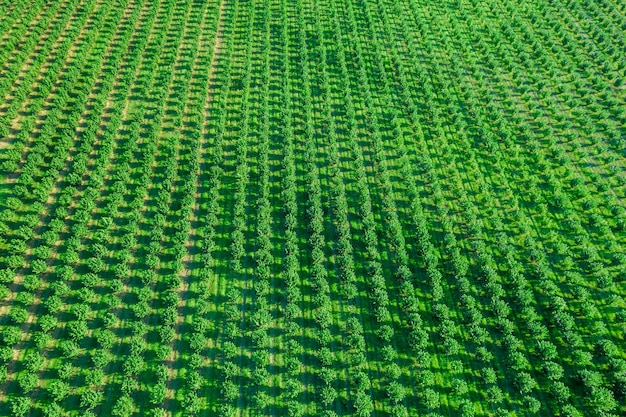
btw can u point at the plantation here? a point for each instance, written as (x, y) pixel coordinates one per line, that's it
(312, 208)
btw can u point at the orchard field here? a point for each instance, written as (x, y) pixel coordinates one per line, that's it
(312, 208)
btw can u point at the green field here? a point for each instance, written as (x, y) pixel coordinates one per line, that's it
(312, 208)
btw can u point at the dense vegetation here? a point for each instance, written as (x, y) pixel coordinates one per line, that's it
(313, 208)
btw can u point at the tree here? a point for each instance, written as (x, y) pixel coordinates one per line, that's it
(230, 390)
(19, 314)
(525, 382)
(459, 386)
(194, 380)
(547, 350)
(399, 410)
(66, 371)
(34, 361)
(292, 389)
(159, 412)
(229, 349)
(195, 361)
(58, 389)
(141, 309)
(602, 400)
(570, 411)
(32, 283)
(78, 329)
(466, 409)
(133, 365)
(192, 404)
(11, 335)
(96, 265)
(90, 399)
(553, 370)
(385, 333)
(167, 334)
(227, 410)
(295, 408)
(430, 399)
(39, 266)
(81, 311)
(327, 395)
(27, 381)
(129, 385)
(489, 375)
(532, 404)
(261, 401)
(396, 392)
(363, 404)
(325, 356)
(327, 374)
(260, 376)
(20, 406)
(123, 406)
(105, 338)
(197, 341)
(560, 392)
(54, 304)
(53, 410)
(94, 377)
(494, 395)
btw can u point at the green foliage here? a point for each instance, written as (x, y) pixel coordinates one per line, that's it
(328, 395)
(157, 394)
(11, 335)
(123, 407)
(53, 410)
(58, 390)
(27, 381)
(363, 405)
(20, 406)
(19, 315)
